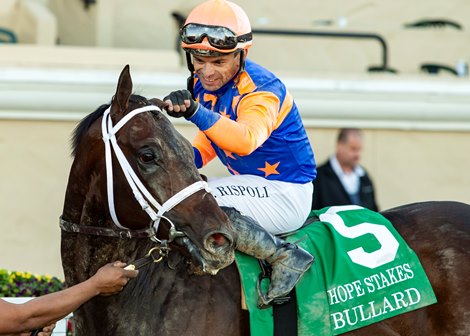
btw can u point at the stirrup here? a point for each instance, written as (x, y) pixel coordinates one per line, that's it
(265, 273)
(263, 301)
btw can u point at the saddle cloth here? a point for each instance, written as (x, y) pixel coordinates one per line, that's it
(364, 272)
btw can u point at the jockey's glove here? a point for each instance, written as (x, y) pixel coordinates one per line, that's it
(182, 102)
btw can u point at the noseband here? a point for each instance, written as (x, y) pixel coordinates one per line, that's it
(141, 194)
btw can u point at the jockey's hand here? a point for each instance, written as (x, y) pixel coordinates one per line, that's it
(180, 104)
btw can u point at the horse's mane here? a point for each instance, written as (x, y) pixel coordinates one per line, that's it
(86, 122)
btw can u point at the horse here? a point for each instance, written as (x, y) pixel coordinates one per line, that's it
(133, 188)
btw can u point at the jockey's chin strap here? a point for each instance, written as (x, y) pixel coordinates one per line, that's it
(141, 194)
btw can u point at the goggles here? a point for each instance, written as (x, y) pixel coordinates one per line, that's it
(218, 37)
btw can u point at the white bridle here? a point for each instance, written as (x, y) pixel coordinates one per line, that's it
(141, 194)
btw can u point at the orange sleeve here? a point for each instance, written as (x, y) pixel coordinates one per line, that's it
(203, 145)
(256, 118)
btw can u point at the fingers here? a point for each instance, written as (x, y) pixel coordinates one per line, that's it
(128, 272)
(129, 267)
(175, 101)
(46, 331)
(112, 278)
(131, 273)
(168, 104)
(175, 107)
(119, 263)
(178, 102)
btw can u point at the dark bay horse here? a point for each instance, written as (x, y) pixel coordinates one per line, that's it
(133, 186)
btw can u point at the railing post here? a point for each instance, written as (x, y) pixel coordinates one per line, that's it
(11, 36)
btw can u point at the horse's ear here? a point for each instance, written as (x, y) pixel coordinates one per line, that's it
(157, 102)
(123, 92)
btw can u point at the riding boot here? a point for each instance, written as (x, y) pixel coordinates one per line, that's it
(288, 261)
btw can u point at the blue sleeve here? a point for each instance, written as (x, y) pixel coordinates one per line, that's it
(204, 118)
(197, 158)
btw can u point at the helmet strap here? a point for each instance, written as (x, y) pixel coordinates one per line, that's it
(241, 68)
(190, 80)
(242, 61)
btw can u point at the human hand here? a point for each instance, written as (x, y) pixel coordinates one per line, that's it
(111, 278)
(180, 104)
(46, 331)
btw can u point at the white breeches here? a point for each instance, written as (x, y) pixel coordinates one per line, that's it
(277, 206)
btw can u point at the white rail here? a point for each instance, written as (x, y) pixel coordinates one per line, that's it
(392, 102)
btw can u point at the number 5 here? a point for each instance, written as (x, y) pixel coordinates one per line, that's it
(389, 245)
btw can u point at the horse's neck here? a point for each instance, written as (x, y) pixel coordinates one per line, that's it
(84, 201)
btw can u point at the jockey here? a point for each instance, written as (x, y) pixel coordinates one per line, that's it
(248, 119)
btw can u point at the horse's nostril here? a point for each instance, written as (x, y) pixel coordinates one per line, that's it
(217, 240)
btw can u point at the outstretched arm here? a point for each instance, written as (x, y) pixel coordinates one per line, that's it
(44, 310)
(259, 113)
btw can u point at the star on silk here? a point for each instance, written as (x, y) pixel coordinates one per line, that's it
(209, 97)
(230, 155)
(270, 169)
(224, 113)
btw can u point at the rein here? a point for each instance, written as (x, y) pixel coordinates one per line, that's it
(141, 194)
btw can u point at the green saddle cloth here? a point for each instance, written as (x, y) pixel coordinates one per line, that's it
(364, 272)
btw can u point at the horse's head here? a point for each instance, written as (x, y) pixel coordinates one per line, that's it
(133, 172)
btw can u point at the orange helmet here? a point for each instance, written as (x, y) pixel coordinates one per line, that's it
(216, 27)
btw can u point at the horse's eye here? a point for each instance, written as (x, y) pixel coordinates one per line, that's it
(146, 157)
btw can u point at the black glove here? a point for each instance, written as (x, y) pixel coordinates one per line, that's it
(177, 99)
